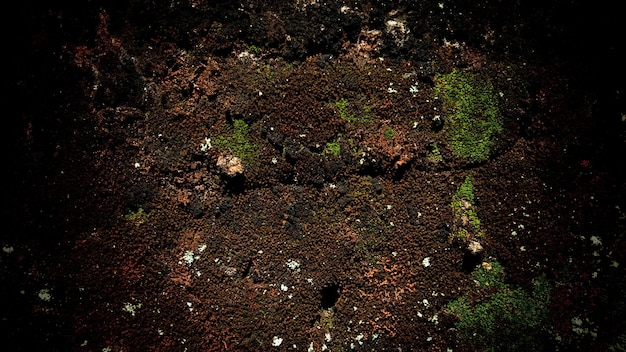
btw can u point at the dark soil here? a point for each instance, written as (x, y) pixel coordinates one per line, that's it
(123, 234)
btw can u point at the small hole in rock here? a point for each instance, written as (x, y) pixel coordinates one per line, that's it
(470, 261)
(330, 295)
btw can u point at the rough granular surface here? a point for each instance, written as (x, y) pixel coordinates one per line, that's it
(314, 176)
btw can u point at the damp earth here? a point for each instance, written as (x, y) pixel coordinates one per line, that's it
(314, 175)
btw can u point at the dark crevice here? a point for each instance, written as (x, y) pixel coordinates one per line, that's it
(330, 295)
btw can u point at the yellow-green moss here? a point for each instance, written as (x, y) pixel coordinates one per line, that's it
(473, 117)
(238, 143)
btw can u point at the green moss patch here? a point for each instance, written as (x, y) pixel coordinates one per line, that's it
(238, 143)
(498, 317)
(473, 117)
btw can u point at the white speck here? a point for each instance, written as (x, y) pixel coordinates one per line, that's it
(137, 165)
(131, 308)
(283, 288)
(44, 295)
(614, 264)
(276, 341)
(425, 302)
(274, 161)
(522, 249)
(188, 257)
(595, 240)
(7, 250)
(440, 5)
(594, 274)
(201, 248)
(419, 314)
(359, 338)
(426, 262)
(206, 145)
(327, 337)
(311, 348)
(293, 265)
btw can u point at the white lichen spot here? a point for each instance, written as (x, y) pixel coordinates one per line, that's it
(283, 287)
(44, 295)
(293, 265)
(131, 307)
(426, 262)
(188, 257)
(7, 250)
(206, 145)
(327, 337)
(276, 341)
(595, 240)
(359, 338)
